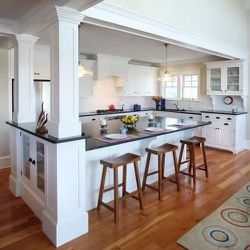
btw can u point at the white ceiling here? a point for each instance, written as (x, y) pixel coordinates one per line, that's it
(15, 9)
(94, 39)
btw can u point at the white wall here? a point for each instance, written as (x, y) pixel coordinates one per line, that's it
(223, 21)
(4, 109)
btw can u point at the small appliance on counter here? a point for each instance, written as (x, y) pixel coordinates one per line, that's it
(137, 107)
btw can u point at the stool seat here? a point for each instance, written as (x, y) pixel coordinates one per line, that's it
(114, 163)
(194, 140)
(163, 149)
(121, 160)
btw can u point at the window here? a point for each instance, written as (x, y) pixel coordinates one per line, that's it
(171, 88)
(190, 86)
(182, 86)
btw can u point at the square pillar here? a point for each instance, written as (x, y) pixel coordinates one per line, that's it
(64, 113)
(24, 88)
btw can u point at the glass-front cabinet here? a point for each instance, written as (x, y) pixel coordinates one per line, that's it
(34, 163)
(225, 78)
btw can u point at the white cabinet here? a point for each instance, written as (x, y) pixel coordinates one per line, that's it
(86, 83)
(141, 81)
(107, 66)
(225, 131)
(225, 78)
(33, 165)
(41, 65)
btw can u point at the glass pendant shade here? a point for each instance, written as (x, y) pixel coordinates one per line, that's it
(82, 71)
(166, 76)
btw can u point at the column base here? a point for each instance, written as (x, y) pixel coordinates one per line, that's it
(64, 130)
(64, 232)
(14, 186)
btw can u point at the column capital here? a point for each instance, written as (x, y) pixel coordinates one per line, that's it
(64, 14)
(24, 39)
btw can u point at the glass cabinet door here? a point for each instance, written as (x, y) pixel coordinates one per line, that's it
(215, 79)
(40, 165)
(233, 78)
(26, 156)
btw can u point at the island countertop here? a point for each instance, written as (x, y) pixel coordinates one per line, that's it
(170, 125)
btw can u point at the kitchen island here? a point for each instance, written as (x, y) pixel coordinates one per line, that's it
(98, 147)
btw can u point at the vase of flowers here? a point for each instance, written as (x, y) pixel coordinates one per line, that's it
(157, 100)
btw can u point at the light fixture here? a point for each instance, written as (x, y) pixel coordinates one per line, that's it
(166, 76)
(82, 71)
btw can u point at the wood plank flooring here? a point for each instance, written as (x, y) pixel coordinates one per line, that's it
(157, 227)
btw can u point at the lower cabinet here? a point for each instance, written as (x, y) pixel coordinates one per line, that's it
(225, 131)
(33, 170)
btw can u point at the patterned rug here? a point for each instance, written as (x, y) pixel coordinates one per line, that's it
(228, 227)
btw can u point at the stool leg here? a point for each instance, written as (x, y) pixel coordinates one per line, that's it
(163, 165)
(116, 210)
(146, 172)
(104, 171)
(138, 184)
(160, 177)
(190, 159)
(180, 156)
(193, 163)
(176, 171)
(204, 158)
(124, 180)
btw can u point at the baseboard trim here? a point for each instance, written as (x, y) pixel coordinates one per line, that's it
(4, 161)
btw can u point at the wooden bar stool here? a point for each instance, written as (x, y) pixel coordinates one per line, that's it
(161, 153)
(191, 142)
(114, 163)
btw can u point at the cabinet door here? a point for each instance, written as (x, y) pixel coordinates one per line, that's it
(215, 84)
(26, 171)
(40, 166)
(41, 65)
(151, 83)
(211, 134)
(234, 79)
(226, 137)
(129, 86)
(86, 83)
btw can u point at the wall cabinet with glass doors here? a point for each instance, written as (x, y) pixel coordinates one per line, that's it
(225, 78)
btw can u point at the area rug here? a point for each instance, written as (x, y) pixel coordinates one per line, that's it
(228, 227)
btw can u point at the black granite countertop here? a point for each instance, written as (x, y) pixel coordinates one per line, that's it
(138, 133)
(224, 112)
(31, 129)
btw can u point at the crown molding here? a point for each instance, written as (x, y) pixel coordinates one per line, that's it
(113, 14)
(8, 26)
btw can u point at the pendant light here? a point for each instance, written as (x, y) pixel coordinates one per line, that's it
(82, 71)
(166, 76)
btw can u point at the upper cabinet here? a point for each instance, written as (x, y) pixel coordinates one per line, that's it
(226, 78)
(141, 81)
(41, 65)
(114, 66)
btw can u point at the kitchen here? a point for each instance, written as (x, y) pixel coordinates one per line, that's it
(97, 93)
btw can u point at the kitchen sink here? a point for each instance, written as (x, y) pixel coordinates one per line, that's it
(176, 110)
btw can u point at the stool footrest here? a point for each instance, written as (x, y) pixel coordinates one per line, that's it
(200, 167)
(132, 195)
(152, 173)
(111, 188)
(184, 162)
(181, 172)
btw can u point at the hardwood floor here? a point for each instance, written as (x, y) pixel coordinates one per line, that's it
(157, 227)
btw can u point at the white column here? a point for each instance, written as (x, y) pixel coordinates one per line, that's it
(24, 89)
(64, 113)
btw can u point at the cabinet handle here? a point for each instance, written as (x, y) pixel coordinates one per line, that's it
(34, 162)
(229, 118)
(226, 124)
(207, 116)
(30, 159)
(217, 117)
(93, 119)
(191, 117)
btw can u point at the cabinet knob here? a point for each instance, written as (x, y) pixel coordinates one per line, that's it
(30, 159)
(217, 117)
(226, 124)
(229, 118)
(34, 162)
(191, 117)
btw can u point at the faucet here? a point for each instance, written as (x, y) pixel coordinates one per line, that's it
(176, 105)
